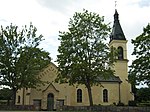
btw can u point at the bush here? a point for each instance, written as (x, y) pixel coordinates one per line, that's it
(132, 103)
(144, 104)
(120, 104)
(114, 103)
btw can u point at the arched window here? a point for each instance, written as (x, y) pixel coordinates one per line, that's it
(79, 95)
(120, 53)
(105, 95)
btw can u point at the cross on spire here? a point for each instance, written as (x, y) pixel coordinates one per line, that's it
(115, 4)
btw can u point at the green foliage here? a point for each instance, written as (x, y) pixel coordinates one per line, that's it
(5, 94)
(120, 104)
(143, 95)
(84, 56)
(132, 103)
(20, 58)
(140, 68)
(133, 80)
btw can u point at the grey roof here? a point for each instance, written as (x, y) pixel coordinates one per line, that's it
(117, 32)
(112, 78)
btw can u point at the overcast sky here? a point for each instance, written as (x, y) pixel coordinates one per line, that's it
(52, 16)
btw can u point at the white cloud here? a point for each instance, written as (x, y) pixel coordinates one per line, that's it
(56, 5)
(144, 3)
(52, 16)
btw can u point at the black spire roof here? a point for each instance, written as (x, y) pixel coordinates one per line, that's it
(117, 33)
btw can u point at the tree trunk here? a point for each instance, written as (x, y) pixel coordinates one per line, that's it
(8, 102)
(90, 94)
(13, 96)
(23, 95)
(134, 91)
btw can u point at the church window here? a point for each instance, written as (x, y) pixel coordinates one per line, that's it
(120, 53)
(37, 103)
(105, 95)
(79, 95)
(18, 99)
(61, 102)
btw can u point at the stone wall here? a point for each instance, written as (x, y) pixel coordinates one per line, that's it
(106, 108)
(17, 107)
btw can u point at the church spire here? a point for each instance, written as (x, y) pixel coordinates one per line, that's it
(117, 32)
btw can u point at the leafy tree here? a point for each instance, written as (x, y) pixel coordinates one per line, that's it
(140, 68)
(143, 94)
(20, 57)
(133, 82)
(84, 57)
(5, 94)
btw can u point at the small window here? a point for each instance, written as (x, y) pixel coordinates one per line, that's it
(120, 53)
(18, 99)
(61, 103)
(37, 103)
(105, 95)
(79, 95)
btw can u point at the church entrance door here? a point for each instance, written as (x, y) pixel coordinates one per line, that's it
(50, 101)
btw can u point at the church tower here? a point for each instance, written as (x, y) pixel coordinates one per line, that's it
(118, 40)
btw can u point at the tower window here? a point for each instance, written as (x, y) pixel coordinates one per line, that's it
(79, 95)
(105, 95)
(120, 53)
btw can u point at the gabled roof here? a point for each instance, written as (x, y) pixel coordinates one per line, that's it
(117, 32)
(52, 86)
(112, 78)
